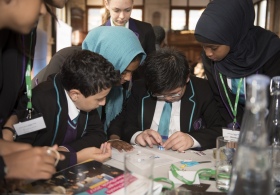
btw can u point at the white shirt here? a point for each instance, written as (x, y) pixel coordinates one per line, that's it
(126, 24)
(174, 125)
(73, 112)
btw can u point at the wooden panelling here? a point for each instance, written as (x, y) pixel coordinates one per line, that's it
(185, 42)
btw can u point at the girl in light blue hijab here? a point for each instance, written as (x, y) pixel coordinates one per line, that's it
(121, 47)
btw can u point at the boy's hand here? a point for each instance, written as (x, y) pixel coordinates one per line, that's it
(178, 141)
(148, 137)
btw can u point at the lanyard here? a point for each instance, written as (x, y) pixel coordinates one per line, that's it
(233, 110)
(201, 173)
(28, 82)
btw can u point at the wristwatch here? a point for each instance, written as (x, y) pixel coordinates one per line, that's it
(12, 130)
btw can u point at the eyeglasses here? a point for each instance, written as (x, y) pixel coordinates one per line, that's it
(170, 96)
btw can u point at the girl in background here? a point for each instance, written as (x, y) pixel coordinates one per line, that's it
(118, 14)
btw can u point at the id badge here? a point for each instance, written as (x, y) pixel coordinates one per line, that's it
(231, 135)
(36, 123)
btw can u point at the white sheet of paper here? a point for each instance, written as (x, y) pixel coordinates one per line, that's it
(30, 126)
(157, 187)
(160, 158)
(188, 175)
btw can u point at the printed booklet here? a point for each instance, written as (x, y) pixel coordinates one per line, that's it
(91, 177)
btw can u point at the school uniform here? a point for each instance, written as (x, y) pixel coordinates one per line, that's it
(14, 55)
(199, 116)
(270, 68)
(144, 31)
(49, 99)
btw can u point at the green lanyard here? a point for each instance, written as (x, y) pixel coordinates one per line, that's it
(233, 110)
(201, 174)
(28, 82)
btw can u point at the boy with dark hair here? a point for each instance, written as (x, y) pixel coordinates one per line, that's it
(171, 105)
(68, 102)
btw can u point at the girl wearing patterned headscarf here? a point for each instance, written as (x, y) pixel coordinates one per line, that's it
(233, 49)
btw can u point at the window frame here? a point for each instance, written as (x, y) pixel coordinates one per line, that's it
(187, 10)
(257, 15)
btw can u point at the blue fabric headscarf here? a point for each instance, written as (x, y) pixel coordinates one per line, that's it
(231, 23)
(119, 46)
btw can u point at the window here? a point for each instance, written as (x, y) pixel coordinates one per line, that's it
(260, 13)
(94, 17)
(185, 19)
(137, 14)
(256, 7)
(178, 19)
(194, 15)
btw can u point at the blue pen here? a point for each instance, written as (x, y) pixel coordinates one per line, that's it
(164, 138)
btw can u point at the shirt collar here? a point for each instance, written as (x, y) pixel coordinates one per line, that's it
(126, 24)
(73, 112)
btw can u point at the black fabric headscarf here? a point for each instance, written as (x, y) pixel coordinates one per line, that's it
(231, 23)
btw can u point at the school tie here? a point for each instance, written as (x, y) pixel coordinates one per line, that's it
(163, 127)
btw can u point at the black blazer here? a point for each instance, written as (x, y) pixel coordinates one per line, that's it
(199, 116)
(145, 33)
(49, 99)
(14, 55)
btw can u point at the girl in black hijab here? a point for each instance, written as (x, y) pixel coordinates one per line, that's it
(233, 49)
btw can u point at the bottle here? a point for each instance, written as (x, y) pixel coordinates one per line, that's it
(251, 173)
(273, 121)
(273, 124)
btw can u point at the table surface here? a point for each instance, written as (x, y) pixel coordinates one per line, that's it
(162, 171)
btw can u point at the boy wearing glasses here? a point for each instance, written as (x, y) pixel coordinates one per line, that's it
(171, 105)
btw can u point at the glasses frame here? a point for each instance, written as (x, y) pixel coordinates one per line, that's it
(171, 96)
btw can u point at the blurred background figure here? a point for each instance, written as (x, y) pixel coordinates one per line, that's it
(160, 37)
(197, 70)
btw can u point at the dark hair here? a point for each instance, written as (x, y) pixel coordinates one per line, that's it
(166, 70)
(88, 72)
(159, 33)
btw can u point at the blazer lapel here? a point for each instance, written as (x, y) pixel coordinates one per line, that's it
(133, 27)
(187, 108)
(61, 114)
(147, 112)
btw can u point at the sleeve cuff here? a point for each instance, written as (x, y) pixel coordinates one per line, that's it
(196, 144)
(73, 158)
(68, 148)
(133, 138)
